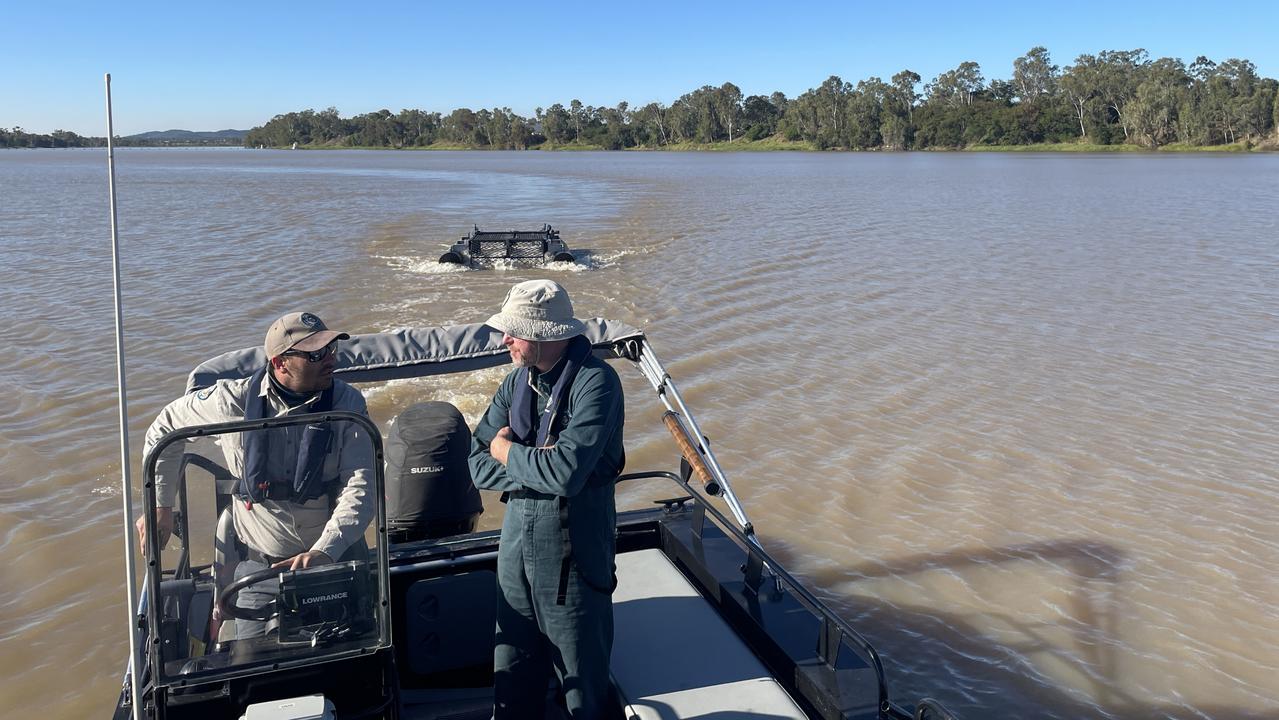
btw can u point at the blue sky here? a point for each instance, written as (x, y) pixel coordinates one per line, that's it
(235, 64)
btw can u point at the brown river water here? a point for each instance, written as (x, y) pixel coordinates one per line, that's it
(1013, 416)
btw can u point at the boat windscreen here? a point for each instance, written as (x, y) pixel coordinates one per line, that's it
(246, 499)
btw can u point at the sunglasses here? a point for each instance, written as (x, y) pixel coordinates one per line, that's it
(314, 356)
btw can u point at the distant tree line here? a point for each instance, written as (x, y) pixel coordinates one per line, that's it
(19, 138)
(1113, 97)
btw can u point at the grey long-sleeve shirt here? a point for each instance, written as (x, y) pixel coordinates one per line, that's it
(277, 528)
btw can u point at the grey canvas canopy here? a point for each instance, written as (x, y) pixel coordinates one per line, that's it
(415, 352)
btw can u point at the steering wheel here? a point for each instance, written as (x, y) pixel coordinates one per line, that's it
(226, 598)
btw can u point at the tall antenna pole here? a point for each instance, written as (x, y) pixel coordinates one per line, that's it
(126, 486)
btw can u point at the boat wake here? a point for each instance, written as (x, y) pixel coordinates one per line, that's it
(421, 266)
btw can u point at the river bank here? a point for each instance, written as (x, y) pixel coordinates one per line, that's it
(775, 144)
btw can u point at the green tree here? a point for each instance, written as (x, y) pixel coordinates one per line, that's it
(1275, 115)
(577, 114)
(957, 87)
(557, 124)
(1034, 75)
(682, 120)
(418, 128)
(801, 121)
(760, 116)
(1246, 99)
(728, 107)
(865, 114)
(1081, 84)
(1113, 96)
(617, 127)
(703, 102)
(1153, 111)
(652, 123)
(459, 127)
(897, 125)
(1120, 74)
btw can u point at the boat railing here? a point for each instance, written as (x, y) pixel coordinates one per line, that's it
(702, 462)
(834, 629)
(703, 458)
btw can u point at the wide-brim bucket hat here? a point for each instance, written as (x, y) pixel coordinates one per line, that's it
(537, 310)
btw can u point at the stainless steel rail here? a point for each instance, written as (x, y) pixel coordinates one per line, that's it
(669, 394)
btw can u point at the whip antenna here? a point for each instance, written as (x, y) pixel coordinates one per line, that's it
(126, 487)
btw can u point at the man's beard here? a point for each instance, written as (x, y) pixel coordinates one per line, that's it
(528, 360)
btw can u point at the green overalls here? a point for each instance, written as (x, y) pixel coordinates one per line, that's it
(552, 615)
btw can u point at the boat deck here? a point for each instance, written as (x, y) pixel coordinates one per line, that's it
(673, 655)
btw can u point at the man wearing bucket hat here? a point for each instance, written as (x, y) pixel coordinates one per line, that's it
(551, 441)
(302, 496)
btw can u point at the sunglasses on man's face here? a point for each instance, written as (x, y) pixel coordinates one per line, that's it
(315, 356)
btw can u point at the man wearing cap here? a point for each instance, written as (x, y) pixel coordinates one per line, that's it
(551, 441)
(294, 507)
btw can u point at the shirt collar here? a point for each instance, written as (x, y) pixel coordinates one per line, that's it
(271, 390)
(537, 379)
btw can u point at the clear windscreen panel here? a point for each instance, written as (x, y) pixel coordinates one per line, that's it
(250, 501)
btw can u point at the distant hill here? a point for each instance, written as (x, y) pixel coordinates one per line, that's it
(186, 137)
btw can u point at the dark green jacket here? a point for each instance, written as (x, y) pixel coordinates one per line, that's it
(589, 436)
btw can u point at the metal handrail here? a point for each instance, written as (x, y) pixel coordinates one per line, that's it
(662, 382)
(796, 588)
(646, 361)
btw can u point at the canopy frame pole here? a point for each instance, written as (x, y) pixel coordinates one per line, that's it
(670, 396)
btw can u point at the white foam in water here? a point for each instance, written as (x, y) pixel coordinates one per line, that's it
(583, 261)
(566, 266)
(423, 266)
(613, 258)
(472, 397)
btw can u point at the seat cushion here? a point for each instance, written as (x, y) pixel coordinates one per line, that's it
(675, 657)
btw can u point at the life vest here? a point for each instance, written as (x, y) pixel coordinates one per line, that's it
(308, 483)
(530, 429)
(542, 431)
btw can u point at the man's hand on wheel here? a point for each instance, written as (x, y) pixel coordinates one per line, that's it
(310, 558)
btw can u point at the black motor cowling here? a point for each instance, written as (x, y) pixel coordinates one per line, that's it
(429, 493)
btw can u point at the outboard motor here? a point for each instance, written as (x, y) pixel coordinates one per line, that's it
(429, 493)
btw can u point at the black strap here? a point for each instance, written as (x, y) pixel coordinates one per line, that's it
(566, 550)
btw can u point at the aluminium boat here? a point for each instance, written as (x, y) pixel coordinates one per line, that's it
(708, 624)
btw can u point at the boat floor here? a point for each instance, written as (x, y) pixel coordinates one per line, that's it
(673, 657)
(461, 704)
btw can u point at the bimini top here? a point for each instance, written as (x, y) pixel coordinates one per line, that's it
(415, 352)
